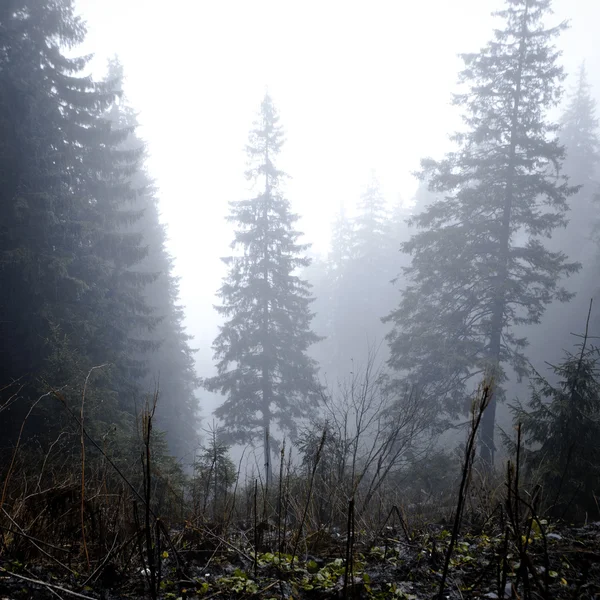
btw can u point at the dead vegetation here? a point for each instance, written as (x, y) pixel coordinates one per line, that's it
(82, 518)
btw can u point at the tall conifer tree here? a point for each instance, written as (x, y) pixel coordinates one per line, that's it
(162, 350)
(61, 192)
(579, 134)
(373, 245)
(263, 366)
(479, 264)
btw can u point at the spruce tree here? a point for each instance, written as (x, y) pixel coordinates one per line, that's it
(334, 289)
(263, 366)
(35, 233)
(342, 236)
(162, 350)
(328, 278)
(579, 134)
(358, 282)
(355, 289)
(479, 265)
(56, 165)
(112, 318)
(372, 268)
(74, 237)
(214, 474)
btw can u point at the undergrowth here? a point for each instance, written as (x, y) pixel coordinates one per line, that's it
(86, 517)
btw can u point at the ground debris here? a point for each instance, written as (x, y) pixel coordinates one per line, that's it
(564, 562)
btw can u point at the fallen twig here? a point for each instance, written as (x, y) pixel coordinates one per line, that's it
(50, 586)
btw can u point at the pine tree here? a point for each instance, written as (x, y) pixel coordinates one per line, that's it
(479, 267)
(263, 366)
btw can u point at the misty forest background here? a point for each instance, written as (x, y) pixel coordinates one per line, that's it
(370, 353)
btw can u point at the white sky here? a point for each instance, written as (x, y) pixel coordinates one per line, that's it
(358, 84)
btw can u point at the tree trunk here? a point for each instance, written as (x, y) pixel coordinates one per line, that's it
(267, 449)
(267, 392)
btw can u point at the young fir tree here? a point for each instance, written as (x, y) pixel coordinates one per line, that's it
(214, 474)
(263, 366)
(479, 265)
(562, 428)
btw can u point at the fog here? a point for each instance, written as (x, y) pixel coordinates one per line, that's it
(299, 298)
(359, 86)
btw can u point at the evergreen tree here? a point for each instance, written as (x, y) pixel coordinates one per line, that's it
(75, 235)
(355, 289)
(424, 197)
(372, 275)
(35, 235)
(112, 318)
(166, 356)
(562, 428)
(332, 297)
(400, 215)
(214, 474)
(397, 259)
(479, 267)
(579, 134)
(61, 178)
(263, 366)
(329, 278)
(342, 235)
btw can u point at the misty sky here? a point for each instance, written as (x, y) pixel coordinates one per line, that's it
(359, 86)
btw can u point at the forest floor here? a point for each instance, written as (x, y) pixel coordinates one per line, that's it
(560, 562)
